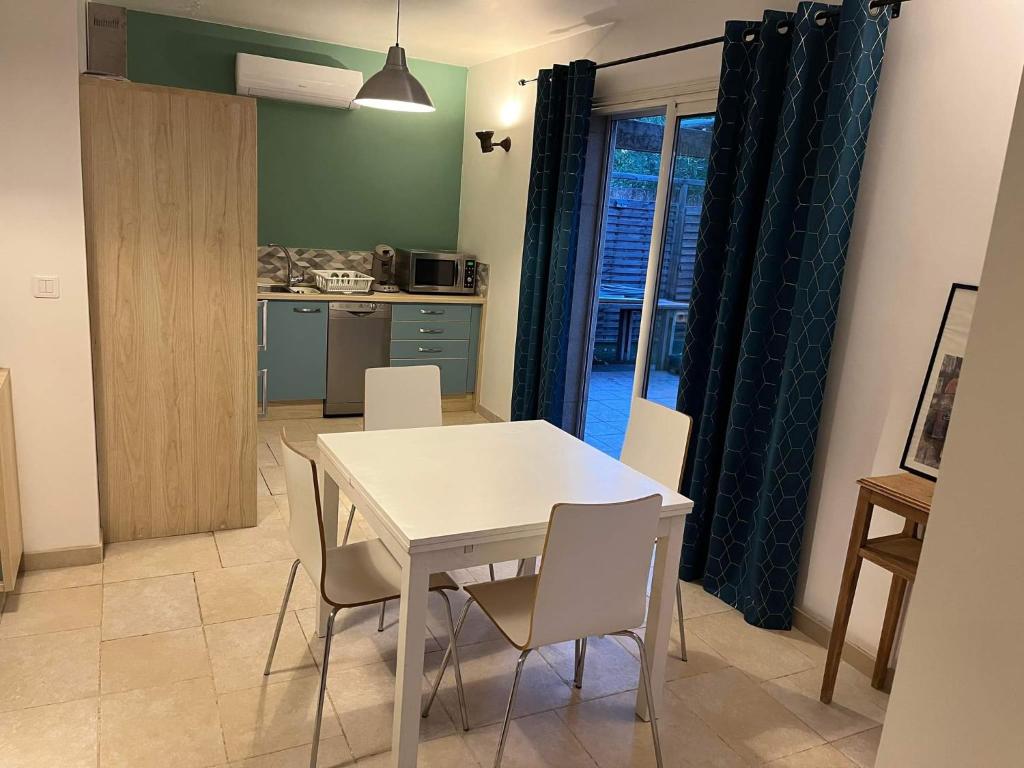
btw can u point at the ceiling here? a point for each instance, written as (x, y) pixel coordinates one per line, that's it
(463, 32)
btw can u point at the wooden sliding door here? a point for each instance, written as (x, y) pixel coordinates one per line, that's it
(170, 199)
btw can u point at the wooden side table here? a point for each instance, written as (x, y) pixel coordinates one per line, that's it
(909, 497)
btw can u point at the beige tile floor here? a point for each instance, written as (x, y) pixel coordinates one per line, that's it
(155, 657)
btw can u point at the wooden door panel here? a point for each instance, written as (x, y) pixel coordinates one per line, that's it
(169, 179)
(222, 162)
(164, 255)
(137, 242)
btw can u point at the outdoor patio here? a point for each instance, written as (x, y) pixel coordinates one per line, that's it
(611, 388)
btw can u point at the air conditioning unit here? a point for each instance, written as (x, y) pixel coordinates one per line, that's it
(295, 81)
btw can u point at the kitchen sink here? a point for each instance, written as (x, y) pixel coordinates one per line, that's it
(282, 288)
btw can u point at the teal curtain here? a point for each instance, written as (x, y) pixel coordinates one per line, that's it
(795, 101)
(561, 125)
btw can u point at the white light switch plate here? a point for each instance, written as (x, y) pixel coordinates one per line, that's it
(46, 286)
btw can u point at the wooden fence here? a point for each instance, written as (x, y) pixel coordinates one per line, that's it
(625, 250)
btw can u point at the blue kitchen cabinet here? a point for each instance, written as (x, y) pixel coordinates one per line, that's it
(453, 373)
(295, 353)
(445, 335)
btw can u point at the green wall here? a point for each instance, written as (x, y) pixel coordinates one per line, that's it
(328, 178)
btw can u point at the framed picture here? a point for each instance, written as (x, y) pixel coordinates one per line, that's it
(923, 452)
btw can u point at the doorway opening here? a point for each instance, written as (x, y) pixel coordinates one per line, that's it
(638, 315)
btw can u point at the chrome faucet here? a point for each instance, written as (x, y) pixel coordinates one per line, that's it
(288, 259)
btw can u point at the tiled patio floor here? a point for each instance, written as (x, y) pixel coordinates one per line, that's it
(608, 400)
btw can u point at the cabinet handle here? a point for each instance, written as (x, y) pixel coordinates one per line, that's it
(262, 345)
(306, 310)
(434, 331)
(431, 311)
(263, 392)
(429, 349)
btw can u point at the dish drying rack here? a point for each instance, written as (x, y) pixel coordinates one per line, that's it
(341, 281)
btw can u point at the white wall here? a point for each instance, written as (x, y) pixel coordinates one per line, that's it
(956, 701)
(45, 342)
(926, 202)
(937, 142)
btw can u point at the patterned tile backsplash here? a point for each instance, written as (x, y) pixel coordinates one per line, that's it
(272, 264)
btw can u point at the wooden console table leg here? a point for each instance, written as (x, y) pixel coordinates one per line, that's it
(844, 605)
(893, 609)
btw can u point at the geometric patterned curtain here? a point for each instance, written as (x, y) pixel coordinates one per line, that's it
(795, 101)
(565, 95)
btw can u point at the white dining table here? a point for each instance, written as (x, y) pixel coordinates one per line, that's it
(444, 498)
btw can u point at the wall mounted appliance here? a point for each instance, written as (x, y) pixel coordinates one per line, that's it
(296, 81)
(435, 271)
(106, 40)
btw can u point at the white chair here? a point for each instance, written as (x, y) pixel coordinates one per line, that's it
(657, 440)
(349, 576)
(399, 398)
(592, 581)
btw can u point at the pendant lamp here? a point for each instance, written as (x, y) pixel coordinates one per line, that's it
(394, 87)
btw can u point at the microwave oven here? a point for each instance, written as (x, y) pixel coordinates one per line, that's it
(435, 271)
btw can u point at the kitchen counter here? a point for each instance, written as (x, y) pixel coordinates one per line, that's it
(383, 298)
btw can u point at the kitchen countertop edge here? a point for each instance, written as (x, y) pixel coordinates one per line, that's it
(380, 298)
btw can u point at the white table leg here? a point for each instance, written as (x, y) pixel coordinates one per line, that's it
(660, 610)
(330, 512)
(412, 627)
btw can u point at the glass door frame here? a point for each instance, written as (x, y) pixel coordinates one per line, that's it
(620, 112)
(683, 100)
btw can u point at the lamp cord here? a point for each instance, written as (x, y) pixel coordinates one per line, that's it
(398, 20)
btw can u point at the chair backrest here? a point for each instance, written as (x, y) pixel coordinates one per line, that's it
(305, 522)
(593, 575)
(402, 397)
(656, 442)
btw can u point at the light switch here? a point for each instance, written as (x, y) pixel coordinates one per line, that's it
(46, 286)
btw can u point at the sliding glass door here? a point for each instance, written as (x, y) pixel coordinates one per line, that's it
(628, 201)
(655, 167)
(678, 250)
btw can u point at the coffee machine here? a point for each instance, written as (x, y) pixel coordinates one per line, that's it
(383, 269)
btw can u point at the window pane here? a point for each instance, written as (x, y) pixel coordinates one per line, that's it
(689, 174)
(628, 214)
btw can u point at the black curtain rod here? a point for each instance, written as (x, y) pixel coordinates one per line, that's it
(720, 39)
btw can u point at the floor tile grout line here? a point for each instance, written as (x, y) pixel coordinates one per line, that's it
(213, 679)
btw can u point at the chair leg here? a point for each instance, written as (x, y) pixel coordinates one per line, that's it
(280, 618)
(380, 621)
(455, 658)
(682, 630)
(348, 525)
(645, 680)
(511, 703)
(581, 658)
(490, 567)
(447, 657)
(323, 689)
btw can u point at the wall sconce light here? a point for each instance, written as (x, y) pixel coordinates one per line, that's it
(487, 142)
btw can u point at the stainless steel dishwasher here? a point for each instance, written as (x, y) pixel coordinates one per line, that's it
(358, 337)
